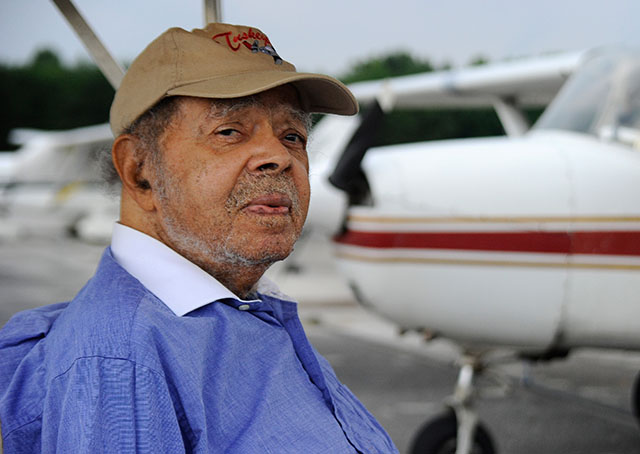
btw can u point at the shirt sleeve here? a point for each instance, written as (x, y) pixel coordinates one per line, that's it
(110, 405)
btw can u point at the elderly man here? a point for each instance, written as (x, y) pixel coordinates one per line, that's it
(178, 344)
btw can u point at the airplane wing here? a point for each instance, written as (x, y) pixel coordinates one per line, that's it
(528, 82)
(505, 86)
(58, 156)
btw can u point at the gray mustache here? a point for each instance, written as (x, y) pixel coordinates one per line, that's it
(253, 186)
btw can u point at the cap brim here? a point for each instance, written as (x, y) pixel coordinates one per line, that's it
(319, 93)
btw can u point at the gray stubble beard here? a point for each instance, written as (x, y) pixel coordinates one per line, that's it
(201, 250)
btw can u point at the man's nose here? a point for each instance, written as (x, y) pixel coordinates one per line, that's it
(269, 155)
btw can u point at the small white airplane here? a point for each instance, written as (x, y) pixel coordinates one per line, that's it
(53, 183)
(529, 241)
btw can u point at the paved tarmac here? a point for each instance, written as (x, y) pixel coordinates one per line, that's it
(575, 406)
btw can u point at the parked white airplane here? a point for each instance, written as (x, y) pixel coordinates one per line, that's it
(530, 241)
(53, 182)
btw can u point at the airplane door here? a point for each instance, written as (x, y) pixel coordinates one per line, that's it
(603, 305)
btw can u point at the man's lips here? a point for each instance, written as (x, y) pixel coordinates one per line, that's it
(270, 204)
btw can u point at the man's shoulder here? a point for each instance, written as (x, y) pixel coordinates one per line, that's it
(21, 335)
(108, 315)
(97, 322)
(40, 346)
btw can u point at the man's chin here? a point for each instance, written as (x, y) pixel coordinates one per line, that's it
(262, 245)
(263, 259)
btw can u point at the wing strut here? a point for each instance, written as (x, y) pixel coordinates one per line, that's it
(212, 11)
(513, 120)
(105, 61)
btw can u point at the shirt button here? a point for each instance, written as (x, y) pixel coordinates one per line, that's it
(244, 307)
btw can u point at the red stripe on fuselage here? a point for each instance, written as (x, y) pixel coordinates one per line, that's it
(600, 243)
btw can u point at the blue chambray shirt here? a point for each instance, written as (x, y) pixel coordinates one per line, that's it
(116, 371)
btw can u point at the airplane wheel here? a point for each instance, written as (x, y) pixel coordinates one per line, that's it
(439, 437)
(635, 399)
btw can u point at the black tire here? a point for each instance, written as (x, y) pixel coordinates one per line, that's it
(438, 436)
(635, 399)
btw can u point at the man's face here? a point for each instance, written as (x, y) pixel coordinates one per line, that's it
(232, 184)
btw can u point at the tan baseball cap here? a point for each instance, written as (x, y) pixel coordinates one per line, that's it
(219, 61)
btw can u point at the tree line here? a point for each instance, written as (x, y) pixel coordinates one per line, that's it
(47, 94)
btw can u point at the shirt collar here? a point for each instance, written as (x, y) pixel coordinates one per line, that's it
(179, 283)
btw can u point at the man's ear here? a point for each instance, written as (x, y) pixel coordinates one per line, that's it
(134, 174)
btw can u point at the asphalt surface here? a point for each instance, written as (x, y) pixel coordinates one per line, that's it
(575, 406)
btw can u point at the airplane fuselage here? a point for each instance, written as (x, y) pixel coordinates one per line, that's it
(532, 242)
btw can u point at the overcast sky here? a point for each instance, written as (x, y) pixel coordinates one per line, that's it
(329, 35)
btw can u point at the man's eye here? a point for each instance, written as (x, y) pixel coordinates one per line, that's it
(295, 138)
(227, 132)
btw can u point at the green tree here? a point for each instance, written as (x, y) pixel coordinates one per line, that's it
(398, 64)
(46, 94)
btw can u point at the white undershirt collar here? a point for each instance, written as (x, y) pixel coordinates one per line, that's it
(180, 284)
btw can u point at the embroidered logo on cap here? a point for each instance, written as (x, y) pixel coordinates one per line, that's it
(234, 43)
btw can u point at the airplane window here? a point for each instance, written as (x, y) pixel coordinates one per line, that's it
(602, 98)
(620, 121)
(578, 104)
(630, 105)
